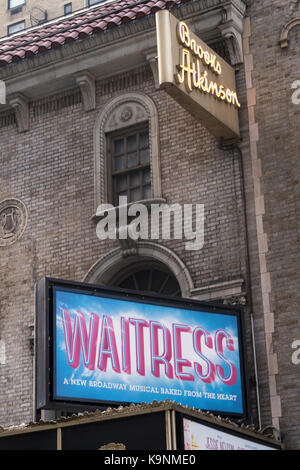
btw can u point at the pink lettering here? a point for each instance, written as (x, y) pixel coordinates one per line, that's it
(165, 358)
(209, 377)
(231, 377)
(139, 343)
(211, 443)
(77, 339)
(126, 357)
(179, 362)
(168, 348)
(108, 347)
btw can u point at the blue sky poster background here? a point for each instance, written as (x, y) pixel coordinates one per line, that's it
(115, 387)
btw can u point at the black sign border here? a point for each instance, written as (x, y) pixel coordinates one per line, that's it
(45, 337)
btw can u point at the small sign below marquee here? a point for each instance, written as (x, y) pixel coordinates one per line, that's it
(196, 77)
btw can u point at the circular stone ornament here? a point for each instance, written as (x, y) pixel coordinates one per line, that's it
(13, 221)
(126, 113)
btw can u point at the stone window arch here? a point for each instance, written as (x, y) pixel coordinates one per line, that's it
(113, 268)
(120, 113)
(284, 40)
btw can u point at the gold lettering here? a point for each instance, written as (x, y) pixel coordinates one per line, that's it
(214, 89)
(204, 82)
(209, 59)
(228, 95)
(200, 52)
(222, 93)
(190, 73)
(213, 61)
(235, 100)
(193, 46)
(218, 68)
(196, 74)
(185, 67)
(184, 35)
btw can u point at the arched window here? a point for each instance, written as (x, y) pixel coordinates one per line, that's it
(154, 268)
(152, 277)
(126, 142)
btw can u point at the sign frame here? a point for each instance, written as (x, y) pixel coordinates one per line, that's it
(238, 433)
(195, 76)
(45, 372)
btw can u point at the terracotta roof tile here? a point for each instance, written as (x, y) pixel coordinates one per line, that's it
(83, 25)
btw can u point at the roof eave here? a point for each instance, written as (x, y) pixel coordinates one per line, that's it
(115, 50)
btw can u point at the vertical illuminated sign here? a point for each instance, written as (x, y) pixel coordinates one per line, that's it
(196, 77)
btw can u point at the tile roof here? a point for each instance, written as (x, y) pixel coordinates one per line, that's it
(83, 25)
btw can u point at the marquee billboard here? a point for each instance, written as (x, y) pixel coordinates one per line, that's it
(196, 77)
(99, 346)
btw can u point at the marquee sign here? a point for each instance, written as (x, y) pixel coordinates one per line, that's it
(203, 436)
(196, 77)
(99, 346)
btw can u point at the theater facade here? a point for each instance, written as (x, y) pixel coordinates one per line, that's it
(149, 152)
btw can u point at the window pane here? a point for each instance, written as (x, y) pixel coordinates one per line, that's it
(132, 159)
(147, 192)
(144, 140)
(144, 156)
(68, 8)
(15, 3)
(16, 27)
(119, 146)
(119, 163)
(146, 176)
(121, 183)
(135, 194)
(131, 143)
(135, 180)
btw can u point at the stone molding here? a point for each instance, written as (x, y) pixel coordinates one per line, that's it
(262, 239)
(108, 265)
(151, 58)
(87, 84)
(284, 41)
(20, 105)
(13, 221)
(231, 28)
(112, 262)
(128, 244)
(230, 292)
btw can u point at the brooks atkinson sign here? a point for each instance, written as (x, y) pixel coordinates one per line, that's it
(196, 77)
(110, 346)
